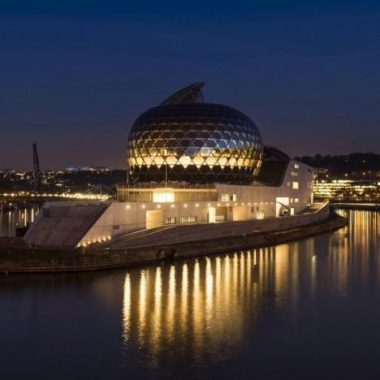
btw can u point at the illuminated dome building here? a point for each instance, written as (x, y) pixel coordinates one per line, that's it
(186, 140)
(189, 162)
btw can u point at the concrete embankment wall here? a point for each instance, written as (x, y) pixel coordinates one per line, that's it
(39, 261)
(252, 241)
(199, 232)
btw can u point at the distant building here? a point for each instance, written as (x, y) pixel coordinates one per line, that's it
(97, 169)
(349, 190)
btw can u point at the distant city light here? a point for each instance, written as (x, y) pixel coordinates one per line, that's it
(77, 196)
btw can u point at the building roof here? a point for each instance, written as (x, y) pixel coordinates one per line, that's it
(275, 163)
(188, 94)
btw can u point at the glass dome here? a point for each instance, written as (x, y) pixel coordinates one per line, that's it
(186, 140)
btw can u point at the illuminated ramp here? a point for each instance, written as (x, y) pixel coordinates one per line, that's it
(63, 224)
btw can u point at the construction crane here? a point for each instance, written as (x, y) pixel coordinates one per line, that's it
(37, 177)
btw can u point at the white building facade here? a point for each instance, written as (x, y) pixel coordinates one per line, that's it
(157, 207)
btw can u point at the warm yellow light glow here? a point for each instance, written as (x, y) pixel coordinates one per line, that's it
(163, 196)
(260, 215)
(185, 161)
(198, 161)
(209, 284)
(157, 311)
(77, 196)
(159, 161)
(127, 308)
(211, 161)
(148, 161)
(203, 301)
(222, 162)
(142, 300)
(171, 300)
(240, 162)
(212, 214)
(171, 160)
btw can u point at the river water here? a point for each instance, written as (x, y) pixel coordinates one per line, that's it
(20, 217)
(305, 310)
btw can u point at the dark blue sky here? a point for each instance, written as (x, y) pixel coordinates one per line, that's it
(75, 74)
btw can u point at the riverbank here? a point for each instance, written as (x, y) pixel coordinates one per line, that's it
(17, 258)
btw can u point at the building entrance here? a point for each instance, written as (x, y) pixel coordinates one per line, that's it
(154, 218)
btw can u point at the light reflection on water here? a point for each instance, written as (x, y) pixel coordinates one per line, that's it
(211, 305)
(193, 302)
(18, 218)
(299, 309)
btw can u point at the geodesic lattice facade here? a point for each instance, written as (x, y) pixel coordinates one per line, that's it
(195, 143)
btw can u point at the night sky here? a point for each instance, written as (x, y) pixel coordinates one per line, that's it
(75, 74)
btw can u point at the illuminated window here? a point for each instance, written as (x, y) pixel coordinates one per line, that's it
(171, 160)
(240, 162)
(185, 161)
(295, 185)
(223, 161)
(296, 166)
(211, 161)
(188, 219)
(170, 220)
(228, 197)
(148, 161)
(159, 161)
(163, 196)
